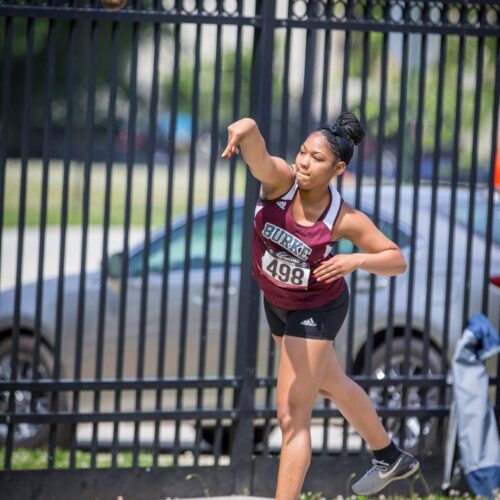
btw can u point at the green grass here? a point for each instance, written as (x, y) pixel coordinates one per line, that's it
(32, 459)
(34, 184)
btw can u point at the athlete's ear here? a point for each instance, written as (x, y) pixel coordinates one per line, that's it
(340, 167)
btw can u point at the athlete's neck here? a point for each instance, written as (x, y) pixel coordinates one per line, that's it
(311, 198)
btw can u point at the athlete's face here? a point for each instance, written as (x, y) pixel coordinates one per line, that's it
(316, 164)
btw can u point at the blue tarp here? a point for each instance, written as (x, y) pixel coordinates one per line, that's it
(476, 425)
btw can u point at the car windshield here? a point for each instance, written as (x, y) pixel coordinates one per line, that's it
(480, 217)
(177, 245)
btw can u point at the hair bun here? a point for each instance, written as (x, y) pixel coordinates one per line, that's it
(350, 126)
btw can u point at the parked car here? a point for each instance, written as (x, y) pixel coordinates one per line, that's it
(191, 330)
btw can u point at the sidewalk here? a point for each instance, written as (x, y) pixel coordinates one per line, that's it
(8, 265)
(232, 497)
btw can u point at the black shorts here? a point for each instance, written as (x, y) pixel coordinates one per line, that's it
(321, 322)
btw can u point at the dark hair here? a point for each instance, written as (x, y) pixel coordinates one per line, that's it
(343, 135)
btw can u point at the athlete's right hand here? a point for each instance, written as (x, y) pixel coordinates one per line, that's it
(235, 134)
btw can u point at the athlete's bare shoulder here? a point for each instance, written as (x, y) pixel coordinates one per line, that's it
(282, 180)
(345, 210)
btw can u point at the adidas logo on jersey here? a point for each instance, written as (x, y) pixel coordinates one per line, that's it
(281, 204)
(308, 322)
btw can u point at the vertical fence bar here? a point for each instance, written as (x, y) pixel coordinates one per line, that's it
(285, 103)
(399, 172)
(436, 160)
(47, 112)
(326, 75)
(389, 334)
(417, 160)
(340, 180)
(189, 230)
(130, 167)
(208, 238)
(111, 122)
(473, 177)
(340, 184)
(25, 149)
(357, 203)
(70, 85)
(4, 129)
(91, 88)
(166, 242)
(454, 181)
(4, 133)
(151, 145)
(153, 114)
(323, 119)
(491, 181)
(229, 240)
(132, 119)
(249, 298)
(309, 69)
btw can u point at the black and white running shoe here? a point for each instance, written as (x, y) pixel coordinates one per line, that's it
(382, 473)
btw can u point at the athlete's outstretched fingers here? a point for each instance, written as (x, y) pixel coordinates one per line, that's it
(227, 152)
(231, 149)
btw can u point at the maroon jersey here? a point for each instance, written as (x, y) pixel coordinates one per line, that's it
(285, 253)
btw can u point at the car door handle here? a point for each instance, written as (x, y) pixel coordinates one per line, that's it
(363, 283)
(215, 292)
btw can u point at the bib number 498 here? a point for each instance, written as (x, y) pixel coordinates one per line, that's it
(285, 273)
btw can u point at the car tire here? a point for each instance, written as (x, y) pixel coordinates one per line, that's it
(414, 396)
(30, 435)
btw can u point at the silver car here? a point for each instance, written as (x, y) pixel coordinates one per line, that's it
(180, 359)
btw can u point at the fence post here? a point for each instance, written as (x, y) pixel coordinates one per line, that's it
(249, 298)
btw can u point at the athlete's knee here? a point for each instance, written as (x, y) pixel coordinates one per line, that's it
(292, 419)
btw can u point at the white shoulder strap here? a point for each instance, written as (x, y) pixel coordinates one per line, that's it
(334, 209)
(289, 196)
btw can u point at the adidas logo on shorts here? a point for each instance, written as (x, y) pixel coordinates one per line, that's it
(308, 322)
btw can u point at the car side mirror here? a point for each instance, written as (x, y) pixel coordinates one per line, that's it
(115, 263)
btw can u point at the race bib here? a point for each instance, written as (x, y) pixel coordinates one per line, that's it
(285, 270)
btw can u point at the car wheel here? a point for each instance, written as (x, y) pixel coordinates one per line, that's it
(29, 435)
(414, 397)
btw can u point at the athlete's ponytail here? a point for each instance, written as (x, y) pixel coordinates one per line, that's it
(343, 135)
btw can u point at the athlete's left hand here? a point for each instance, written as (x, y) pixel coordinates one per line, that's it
(336, 267)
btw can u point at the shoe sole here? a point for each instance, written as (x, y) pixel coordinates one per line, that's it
(404, 476)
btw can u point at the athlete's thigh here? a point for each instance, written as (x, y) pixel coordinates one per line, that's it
(278, 340)
(301, 369)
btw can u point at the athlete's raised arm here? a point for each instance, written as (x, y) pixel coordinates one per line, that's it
(274, 173)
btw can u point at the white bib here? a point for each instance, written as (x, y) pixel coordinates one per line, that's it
(285, 270)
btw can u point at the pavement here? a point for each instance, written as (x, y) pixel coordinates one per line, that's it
(232, 497)
(31, 248)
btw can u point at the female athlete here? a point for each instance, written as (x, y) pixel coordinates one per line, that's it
(298, 219)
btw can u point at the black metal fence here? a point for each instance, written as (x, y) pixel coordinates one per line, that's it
(131, 333)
